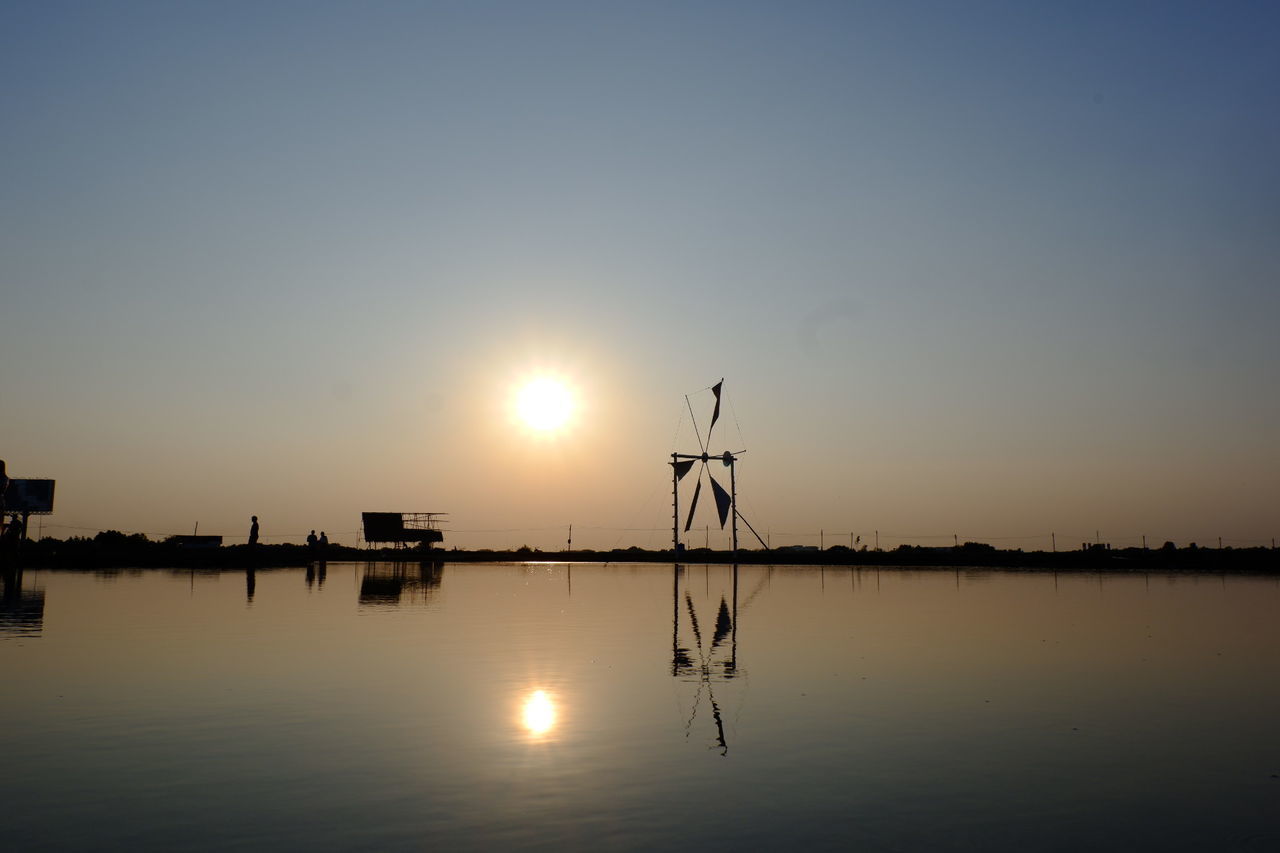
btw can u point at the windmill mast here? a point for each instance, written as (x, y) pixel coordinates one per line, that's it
(733, 500)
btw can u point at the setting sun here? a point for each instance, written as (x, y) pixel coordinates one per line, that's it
(544, 404)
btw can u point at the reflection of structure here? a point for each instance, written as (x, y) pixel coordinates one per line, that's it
(386, 584)
(717, 660)
(21, 611)
(403, 529)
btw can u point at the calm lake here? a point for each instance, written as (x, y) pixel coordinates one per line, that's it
(639, 707)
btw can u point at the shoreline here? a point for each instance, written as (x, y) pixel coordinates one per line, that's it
(131, 553)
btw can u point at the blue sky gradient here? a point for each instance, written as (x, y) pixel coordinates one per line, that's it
(987, 269)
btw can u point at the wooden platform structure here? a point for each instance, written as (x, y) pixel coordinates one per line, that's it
(403, 529)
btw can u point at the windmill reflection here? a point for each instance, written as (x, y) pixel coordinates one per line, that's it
(386, 584)
(717, 661)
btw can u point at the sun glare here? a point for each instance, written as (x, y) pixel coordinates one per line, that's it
(539, 713)
(544, 404)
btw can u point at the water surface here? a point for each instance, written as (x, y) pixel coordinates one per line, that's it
(463, 706)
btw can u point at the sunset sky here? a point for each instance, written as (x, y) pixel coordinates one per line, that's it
(991, 270)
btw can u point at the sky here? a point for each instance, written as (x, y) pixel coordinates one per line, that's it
(988, 271)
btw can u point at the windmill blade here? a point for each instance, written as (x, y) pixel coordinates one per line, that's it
(693, 506)
(696, 433)
(723, 501)
(715, 415)
(682, 467)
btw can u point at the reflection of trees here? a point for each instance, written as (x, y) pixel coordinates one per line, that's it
(387, 584)
(21, 611)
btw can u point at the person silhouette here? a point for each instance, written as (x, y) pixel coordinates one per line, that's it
(311, 540)
(324, 541)
(253, 531)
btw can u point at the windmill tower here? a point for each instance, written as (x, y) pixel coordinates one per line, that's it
(683, 463)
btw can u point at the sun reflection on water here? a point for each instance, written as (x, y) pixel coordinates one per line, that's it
(538, 714)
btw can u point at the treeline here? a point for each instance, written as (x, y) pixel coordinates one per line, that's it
(971, 554)
(113, 549)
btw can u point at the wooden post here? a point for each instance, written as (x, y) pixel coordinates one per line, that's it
(733, 502)
(675, 508)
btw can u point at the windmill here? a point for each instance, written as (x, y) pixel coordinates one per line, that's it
(682, 464)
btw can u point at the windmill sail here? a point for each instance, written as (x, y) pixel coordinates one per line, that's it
(715, 415)
(693, 506)
(682, 468)
(723, 501)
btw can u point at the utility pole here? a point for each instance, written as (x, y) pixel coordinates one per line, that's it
(822, 540)
(1053, 537)
(569, 547)
(877, 540)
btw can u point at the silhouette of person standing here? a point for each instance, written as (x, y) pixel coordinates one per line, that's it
(324, 542)
(253, 531)
(311, 540)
